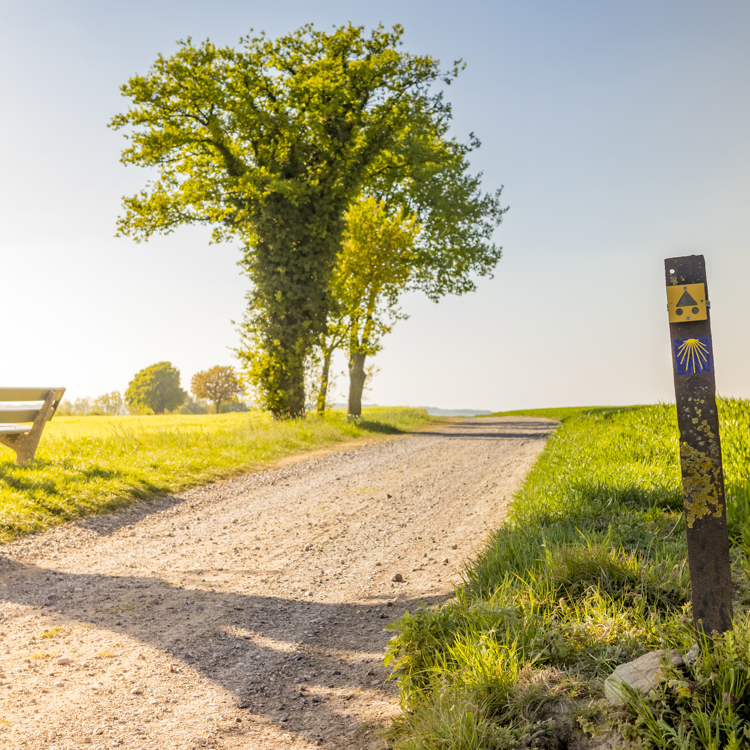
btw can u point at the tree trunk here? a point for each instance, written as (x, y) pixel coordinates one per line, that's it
(217, 404)
(320, 405)
(357, 377)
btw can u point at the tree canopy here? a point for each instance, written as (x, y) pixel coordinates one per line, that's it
(216, 385)
(271, 143)
(155, 388)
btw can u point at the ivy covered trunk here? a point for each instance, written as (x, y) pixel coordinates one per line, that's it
(290, 267)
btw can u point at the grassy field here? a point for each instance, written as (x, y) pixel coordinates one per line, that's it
(589, 571)
(87, 465)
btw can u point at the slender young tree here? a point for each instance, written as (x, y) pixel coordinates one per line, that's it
(270, 143)
(434, 237)
(375, 264)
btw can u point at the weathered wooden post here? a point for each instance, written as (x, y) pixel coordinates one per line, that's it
(700, 449)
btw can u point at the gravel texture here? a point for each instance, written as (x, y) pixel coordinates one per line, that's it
(248, 613)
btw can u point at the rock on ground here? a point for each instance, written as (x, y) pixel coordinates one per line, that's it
(644, 674)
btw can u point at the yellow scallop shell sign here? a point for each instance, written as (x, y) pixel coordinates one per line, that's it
(686, 303)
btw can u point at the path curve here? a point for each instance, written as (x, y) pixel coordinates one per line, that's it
(248, 613)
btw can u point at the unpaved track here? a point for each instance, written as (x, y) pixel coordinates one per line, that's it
(248, 613)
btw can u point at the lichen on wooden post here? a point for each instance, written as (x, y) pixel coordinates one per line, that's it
(700, 447)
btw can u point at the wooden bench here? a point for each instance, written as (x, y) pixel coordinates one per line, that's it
(24, 438)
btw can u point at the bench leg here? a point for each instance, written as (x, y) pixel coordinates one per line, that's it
(26, 443)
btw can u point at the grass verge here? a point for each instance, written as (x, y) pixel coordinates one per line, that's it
(588, 572)
(87, 465)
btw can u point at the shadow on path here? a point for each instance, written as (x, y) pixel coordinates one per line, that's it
(281, 658)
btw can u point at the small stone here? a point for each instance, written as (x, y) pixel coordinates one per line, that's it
(377, 564)
(337, 671)
(444, 561)
(383, 616)
(397, 578)
(136, 691)
(52, 734)
(59, 684)
(63, 660)
(370, 672)
(307, 547)
(454, 546)
(284, 718)
(691, 655)
(316, 699)
(643, 674)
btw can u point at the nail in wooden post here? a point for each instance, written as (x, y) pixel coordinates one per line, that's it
(700, 449)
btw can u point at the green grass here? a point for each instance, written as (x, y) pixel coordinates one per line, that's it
(589, 571)
(87, 465)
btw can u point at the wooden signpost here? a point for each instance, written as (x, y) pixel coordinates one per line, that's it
(700, 449)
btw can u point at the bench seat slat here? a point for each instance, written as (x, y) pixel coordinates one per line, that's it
(14, 429)
(25, 394)
(15, 416)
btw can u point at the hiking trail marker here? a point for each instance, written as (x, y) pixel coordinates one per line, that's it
(700, 449)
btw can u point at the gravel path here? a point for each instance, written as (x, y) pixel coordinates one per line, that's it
(248, 613)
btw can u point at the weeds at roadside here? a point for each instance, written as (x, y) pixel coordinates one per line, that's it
(589, 572)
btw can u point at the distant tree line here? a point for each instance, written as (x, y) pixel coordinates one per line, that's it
(156, 390)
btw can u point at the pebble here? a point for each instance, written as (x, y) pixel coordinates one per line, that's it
(397, 578)
(63, 660)
(136, 691)
(59, 684)
(454, 546)
(307, 548)
(444, 561)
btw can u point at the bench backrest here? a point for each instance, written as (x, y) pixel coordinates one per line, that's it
(10, 415)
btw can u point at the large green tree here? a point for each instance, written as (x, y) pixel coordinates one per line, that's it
(155, 388)
(270, 143)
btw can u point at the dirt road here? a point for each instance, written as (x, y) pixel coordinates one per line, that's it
(248, 613)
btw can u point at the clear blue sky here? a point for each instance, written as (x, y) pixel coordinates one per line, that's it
(621, 132)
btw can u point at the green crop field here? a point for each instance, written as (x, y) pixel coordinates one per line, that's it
(589, 571)
(88, 465)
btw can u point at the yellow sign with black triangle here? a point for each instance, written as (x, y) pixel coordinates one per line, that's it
(686, 303)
